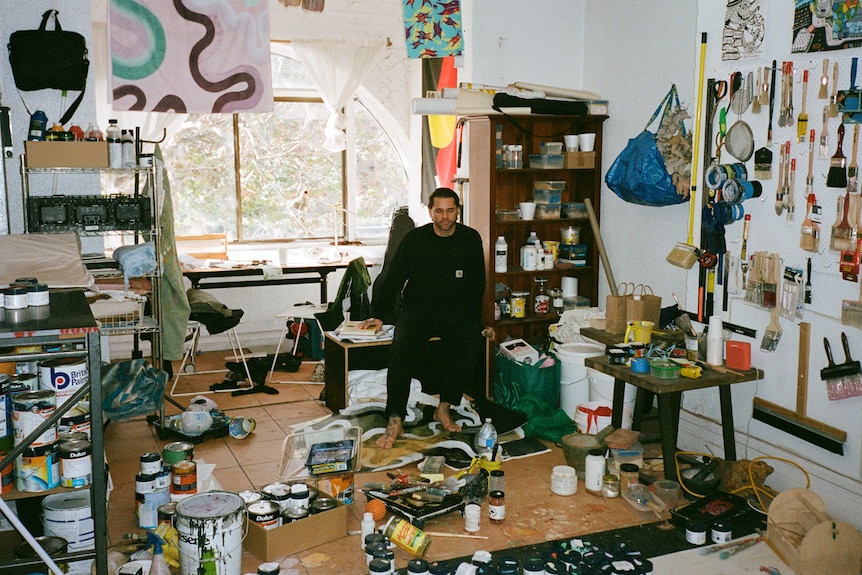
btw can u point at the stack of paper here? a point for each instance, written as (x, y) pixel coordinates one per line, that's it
(350, 330)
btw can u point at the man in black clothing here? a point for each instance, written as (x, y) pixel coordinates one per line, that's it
(439, 269)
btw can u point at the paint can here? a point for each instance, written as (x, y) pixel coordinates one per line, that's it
(167, 512)
(149, 497)
(38, 469)
(278, 492)
(151, 463)
(69, 515)
(177, 451)
(337, 485)
(250, 496)
(322, 504)
(76, 419)
(71, 436)
(29, 410)
(76, 463)
(721, 532)
(269, 568)
(24, 382)
(53, 546)
(7, 435)
(209, 530)
(7, 476)
(185, 478)
(265, 513)
(65, 376)
(695, 533)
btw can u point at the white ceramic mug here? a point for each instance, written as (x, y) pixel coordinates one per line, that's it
(571, 142)
(587, 142)
(528, 210)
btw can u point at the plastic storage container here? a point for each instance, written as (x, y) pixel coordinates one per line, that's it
(574, 210)
(546, 162)
(551, 148)
(547, 196)
(547, 211)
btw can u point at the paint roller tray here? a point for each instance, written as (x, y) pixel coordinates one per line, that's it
(297, 448)
(664, 369)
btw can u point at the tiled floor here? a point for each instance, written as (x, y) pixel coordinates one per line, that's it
(534, 514)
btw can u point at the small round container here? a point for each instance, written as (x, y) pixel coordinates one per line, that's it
(15, 297)
(37, 295)
(629, 475)
(518, 304)
(695, 533)
(664, 369)
(564, 480)
(610, 486)
(721, 532)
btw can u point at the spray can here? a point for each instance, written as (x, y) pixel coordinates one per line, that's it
(38, 126)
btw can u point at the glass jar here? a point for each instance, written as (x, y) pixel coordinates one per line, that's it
(557, 300)
(518, 304)
(541, 299)
(497, 481)
(629, 475)
(610, 486)
(496, 506)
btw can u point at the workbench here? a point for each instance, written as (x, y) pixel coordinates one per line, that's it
(669, 395)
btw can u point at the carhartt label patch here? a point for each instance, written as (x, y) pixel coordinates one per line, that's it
(459, 273)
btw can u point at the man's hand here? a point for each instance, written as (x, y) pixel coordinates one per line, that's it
(370, 323)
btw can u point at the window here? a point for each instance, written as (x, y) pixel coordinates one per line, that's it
(244, 174)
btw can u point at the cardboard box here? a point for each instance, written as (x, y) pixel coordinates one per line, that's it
(270, 544)
(520, 351)
(580, 160)
(66, 154)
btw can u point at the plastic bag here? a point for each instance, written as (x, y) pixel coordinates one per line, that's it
(514, 380)
(132, 388)
(639, 175)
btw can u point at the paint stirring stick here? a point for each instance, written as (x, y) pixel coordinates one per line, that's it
(742, 546)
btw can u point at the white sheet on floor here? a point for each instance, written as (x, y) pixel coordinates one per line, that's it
(367, 387)
(746, 562)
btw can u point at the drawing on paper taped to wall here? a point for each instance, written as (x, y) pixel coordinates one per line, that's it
(744, 27)
(822, 25)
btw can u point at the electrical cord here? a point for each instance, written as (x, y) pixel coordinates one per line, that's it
(757, 490)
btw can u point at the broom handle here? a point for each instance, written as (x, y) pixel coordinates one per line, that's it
(698, 127)
(600, 245)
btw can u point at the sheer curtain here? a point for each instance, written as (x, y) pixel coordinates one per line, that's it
(337, 70)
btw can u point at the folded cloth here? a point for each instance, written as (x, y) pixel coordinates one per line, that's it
(136, 261)
(271, 272)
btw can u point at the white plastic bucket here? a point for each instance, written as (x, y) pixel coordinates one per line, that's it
(574, 387)
(602, 389)
(68, 515)
(209, 530)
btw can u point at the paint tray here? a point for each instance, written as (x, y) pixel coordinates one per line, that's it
(298, 447)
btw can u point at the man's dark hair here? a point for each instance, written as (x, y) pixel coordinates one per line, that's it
(443, 193)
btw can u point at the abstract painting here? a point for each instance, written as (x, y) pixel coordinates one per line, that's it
(190, 56)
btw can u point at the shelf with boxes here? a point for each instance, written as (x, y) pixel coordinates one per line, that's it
(541, 198)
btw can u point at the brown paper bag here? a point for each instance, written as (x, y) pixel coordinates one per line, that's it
(643, 305)
(616, 308)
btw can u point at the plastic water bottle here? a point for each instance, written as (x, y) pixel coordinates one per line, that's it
(533, 238)
(486, 439)
(501, 255)
(115, 145)
(128, 144)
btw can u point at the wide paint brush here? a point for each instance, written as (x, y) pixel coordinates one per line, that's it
(837, 176)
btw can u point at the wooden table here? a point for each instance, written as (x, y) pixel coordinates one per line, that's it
(669, 395)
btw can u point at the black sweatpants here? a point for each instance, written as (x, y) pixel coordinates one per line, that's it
(445, 367)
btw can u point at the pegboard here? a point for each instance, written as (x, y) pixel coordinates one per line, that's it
(781, 233)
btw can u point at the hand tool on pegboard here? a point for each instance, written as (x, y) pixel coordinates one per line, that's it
(706, 274)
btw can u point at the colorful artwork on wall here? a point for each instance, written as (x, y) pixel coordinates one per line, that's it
(823, 25)
(210, 57)
(432, 28)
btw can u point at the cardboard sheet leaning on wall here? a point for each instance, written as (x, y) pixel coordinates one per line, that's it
(53, 259)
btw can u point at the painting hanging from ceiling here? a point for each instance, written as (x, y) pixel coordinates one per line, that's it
(744, 28)
(432, 28)
(190, 57)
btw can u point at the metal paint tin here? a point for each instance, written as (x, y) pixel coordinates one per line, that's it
(64, 376)
(268, 568)
(24, 382)
(38, 469)
(185, 478)
(209, 533)
(322, 504)
(76, 463)
(29, 410)
(177, 451)
(71, 436)
(7, 476)
(292, 514)
(7, 435)
(250, 496)
(151, 463)
(265, 513)
(278, 492)
(166, 513)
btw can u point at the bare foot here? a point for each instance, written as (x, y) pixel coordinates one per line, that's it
(442, 415)
(393, 430)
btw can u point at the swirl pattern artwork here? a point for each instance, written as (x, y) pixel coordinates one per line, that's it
(190, 56)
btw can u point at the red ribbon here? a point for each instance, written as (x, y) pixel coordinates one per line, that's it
(594, 414)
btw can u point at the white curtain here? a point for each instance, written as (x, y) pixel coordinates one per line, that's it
(337, 70)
